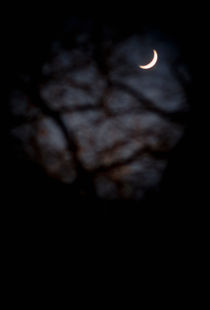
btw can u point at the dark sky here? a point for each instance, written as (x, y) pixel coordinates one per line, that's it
(29, 32)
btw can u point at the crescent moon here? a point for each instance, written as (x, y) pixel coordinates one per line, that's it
(151, 63)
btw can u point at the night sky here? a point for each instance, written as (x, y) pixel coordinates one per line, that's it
(91, 134)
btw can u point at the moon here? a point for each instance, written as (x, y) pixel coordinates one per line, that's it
(151, 63)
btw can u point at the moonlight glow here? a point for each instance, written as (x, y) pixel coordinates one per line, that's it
(152, 63)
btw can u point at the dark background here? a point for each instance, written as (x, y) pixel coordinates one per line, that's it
(33, 199)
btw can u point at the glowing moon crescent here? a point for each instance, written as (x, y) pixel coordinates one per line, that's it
(152, 63)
